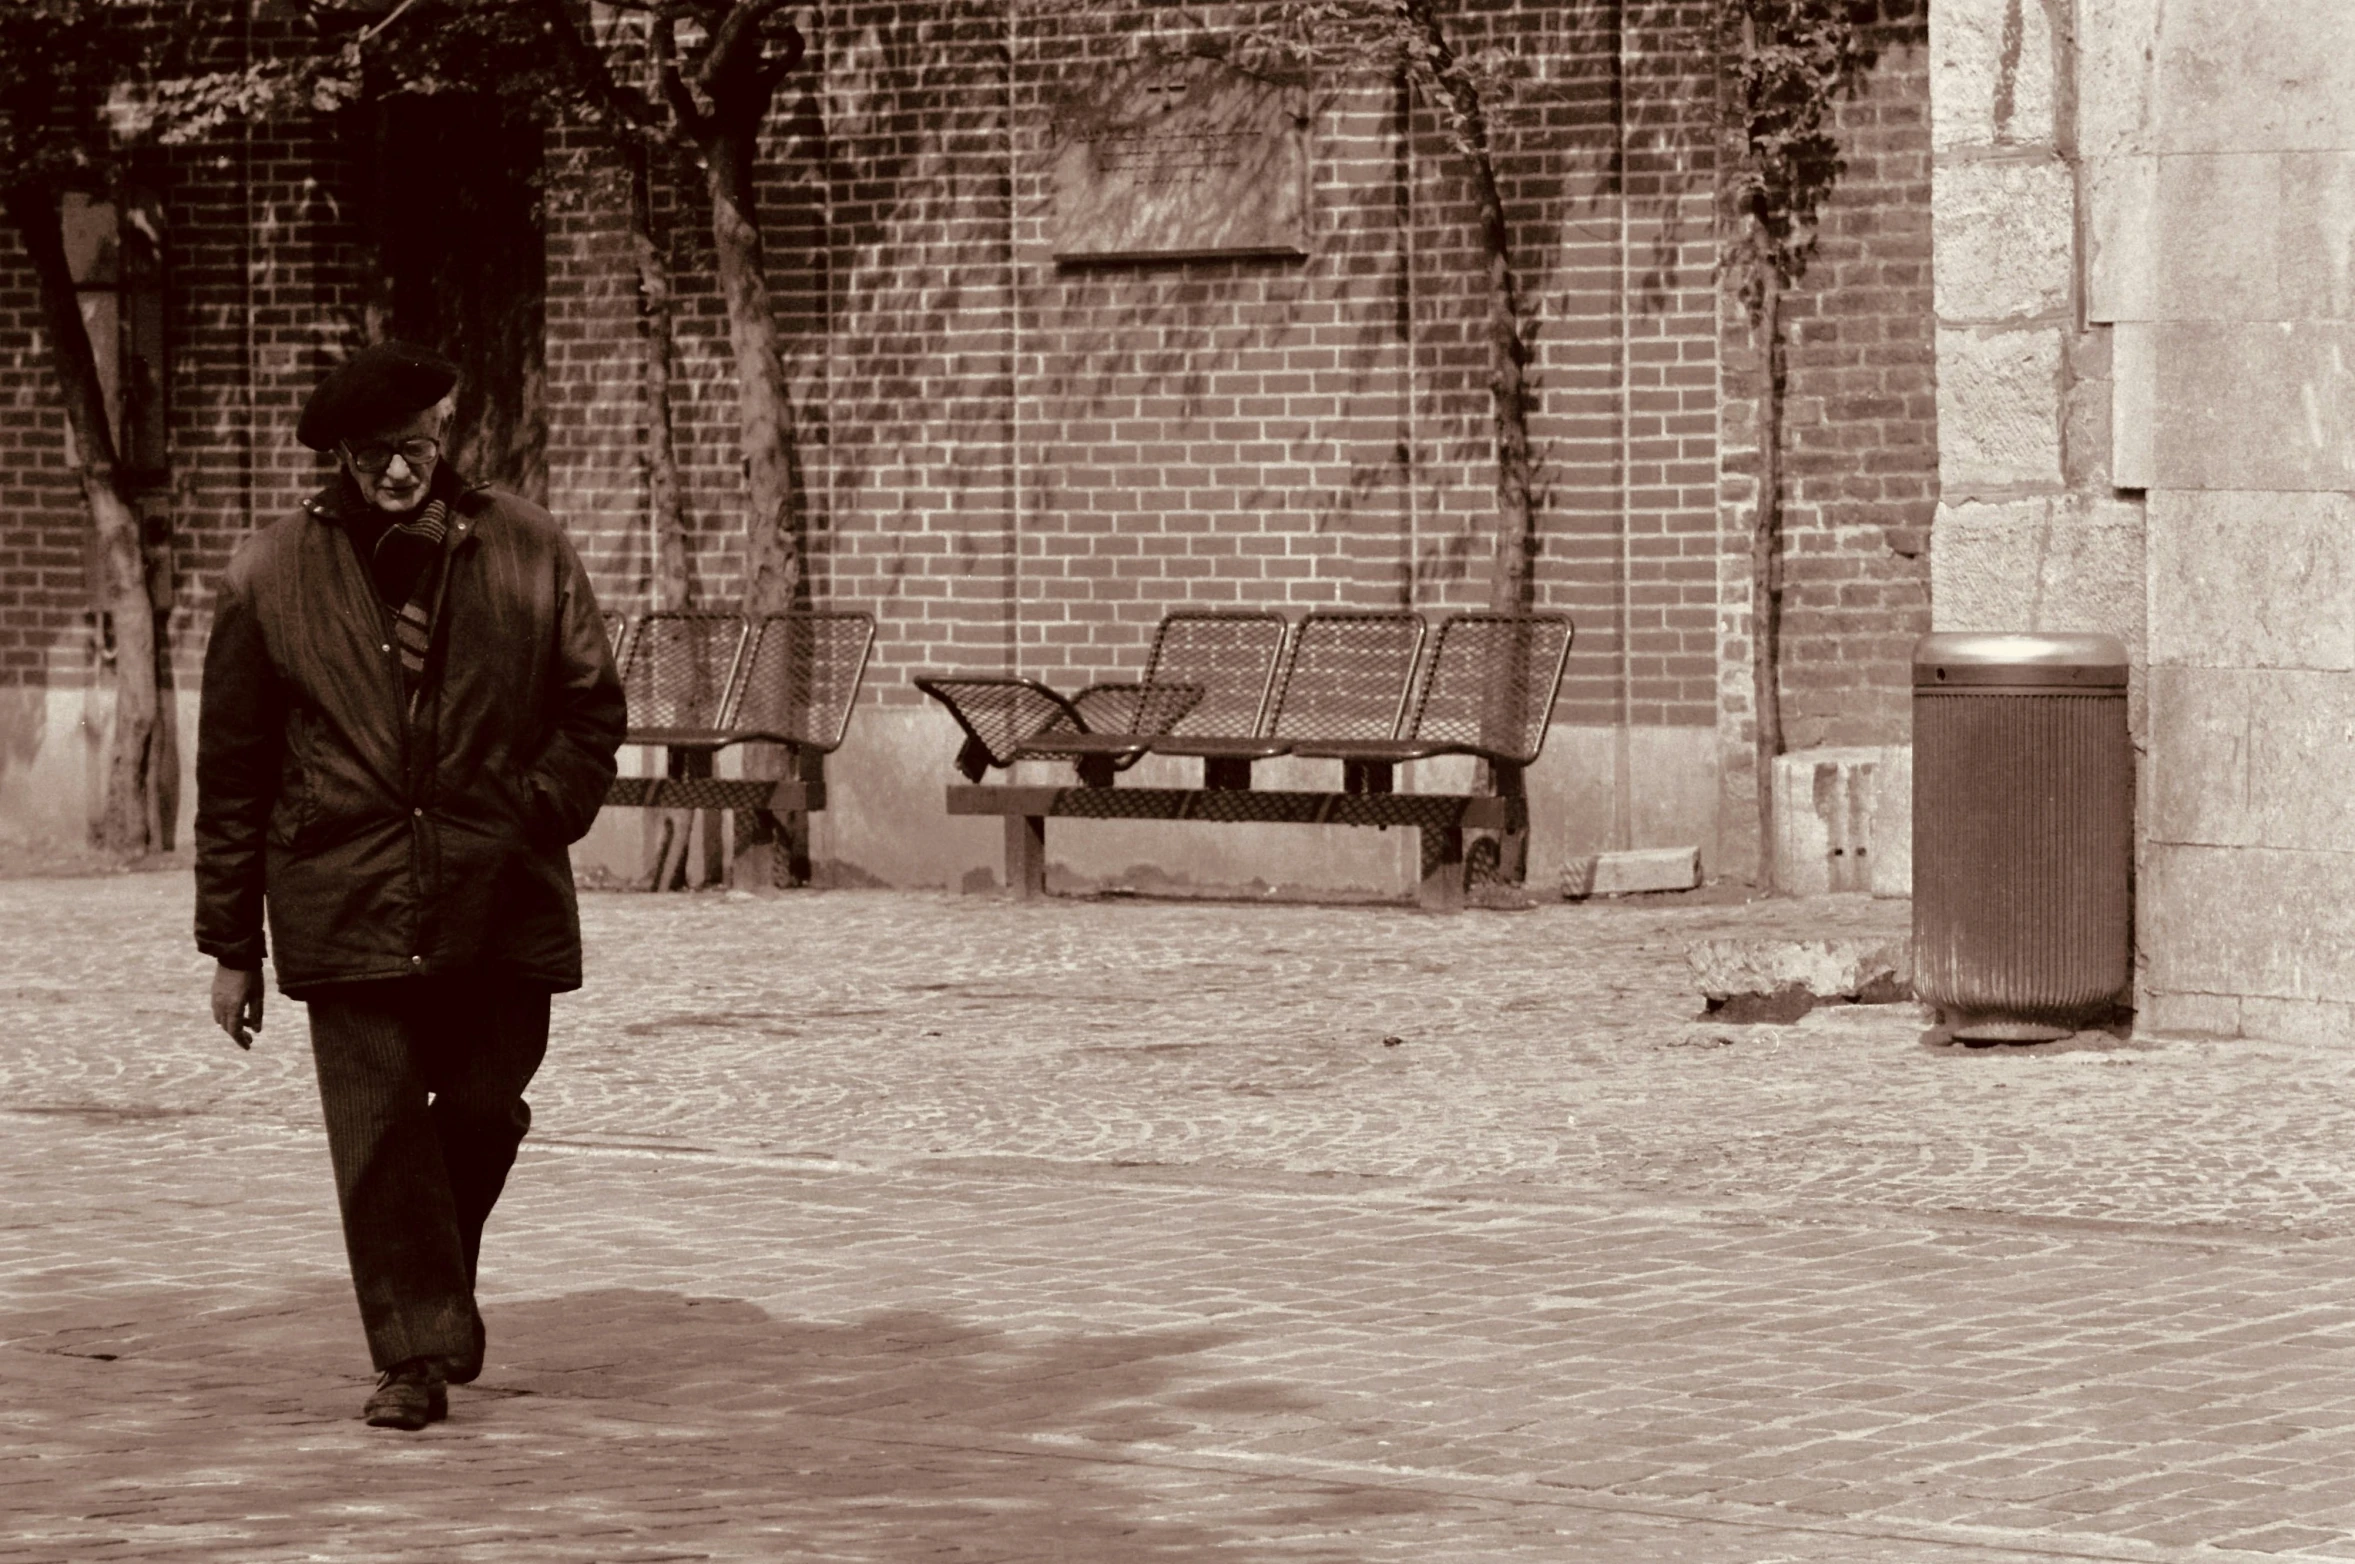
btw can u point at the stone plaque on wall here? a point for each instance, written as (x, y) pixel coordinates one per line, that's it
(1178, 160)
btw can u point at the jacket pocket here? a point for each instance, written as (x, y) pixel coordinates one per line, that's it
(534, 816)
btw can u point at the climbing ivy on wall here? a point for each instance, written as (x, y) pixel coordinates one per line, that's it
(1785, 65)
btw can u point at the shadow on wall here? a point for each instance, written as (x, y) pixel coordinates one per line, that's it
(52, 774)
(23, 715)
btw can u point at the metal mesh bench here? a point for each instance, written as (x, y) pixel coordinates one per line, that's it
(1349, 691)
(678, 671)
(1110, 726)
(999, 713)
(699, 682)
(1488, 690)
(1348, 676)
(1205, 670)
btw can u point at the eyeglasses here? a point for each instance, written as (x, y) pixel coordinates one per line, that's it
(374, 457)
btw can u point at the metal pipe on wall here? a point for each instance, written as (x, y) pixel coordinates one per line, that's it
(1622, 736)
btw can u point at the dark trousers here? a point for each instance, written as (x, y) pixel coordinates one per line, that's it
(422, 1082)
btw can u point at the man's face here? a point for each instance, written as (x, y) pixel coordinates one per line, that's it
(393, 465)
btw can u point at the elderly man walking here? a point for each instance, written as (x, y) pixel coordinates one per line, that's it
(409, 713)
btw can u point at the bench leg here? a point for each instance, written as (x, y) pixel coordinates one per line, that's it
(1026, 857)
(1442, 888)
(793, 827)
(695, 851)
(673, 851)
(1225, 773)
(793, 846)
(753, 865)
(711, 828)
(654, 843)
(1512, 843)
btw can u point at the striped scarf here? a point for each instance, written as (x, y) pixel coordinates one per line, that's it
(413, 622)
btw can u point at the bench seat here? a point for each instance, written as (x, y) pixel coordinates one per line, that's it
(698, 682)
(1440, 818)
(1349, 691)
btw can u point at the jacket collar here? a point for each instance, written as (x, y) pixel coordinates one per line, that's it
(340, 500)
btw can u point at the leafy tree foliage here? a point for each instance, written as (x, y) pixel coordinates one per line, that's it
(1788, 63)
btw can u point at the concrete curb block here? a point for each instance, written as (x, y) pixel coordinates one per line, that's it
(1640, 869)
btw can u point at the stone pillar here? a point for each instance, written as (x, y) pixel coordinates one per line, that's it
(2035, 529)
(2219, 163)
(2144, 214)
(2032, 531)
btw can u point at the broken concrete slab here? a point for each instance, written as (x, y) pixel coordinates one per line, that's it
(1780, 980)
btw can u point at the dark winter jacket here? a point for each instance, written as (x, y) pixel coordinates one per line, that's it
(386, 846)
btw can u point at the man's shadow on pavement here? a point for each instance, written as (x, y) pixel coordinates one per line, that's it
(661, 1419)
(914, 1431)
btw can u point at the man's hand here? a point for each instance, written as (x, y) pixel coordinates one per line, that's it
(237, 1004)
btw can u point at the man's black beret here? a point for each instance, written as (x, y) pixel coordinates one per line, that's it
(380, 385)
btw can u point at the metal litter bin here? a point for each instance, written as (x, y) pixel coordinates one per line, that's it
(2023, 833)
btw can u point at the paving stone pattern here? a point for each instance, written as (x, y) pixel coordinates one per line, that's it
(893, 1227)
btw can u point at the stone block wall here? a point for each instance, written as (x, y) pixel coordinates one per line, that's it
(2220, 152)
(2033, 531)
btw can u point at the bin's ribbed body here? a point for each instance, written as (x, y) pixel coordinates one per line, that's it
(2022, 851)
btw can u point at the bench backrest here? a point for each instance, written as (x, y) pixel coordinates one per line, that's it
(681, 667)
(1232, 656)
(801, 677)
(1491, 682)
(1349, 676)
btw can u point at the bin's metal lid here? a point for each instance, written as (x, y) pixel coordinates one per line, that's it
(2066, 659)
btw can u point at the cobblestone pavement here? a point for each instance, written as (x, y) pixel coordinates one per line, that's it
(898, 1227)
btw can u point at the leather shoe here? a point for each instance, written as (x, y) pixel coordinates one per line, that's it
(410, 1395)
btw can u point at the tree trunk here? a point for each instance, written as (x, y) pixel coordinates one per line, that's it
(777, 529)
(124, 826)
(674, 585)
(1513, 588)
(1513, 581)
(1766, 565)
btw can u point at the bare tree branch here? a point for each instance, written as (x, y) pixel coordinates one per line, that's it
(692, 121)
(391, 17)
(739, 33)
(628, 110)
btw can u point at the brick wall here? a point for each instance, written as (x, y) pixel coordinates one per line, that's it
(929, 511)
(597, 428)
(270, 282)
(1016, 463)
(1020, 464)
(45, 635)
(1861, 441)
